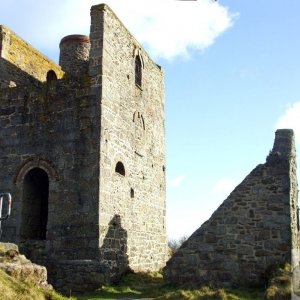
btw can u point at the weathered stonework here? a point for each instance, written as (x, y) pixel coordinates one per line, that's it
(82, 153)
(74, 54)
(20, 63)
(254, 229)
(132, 132)
(19, 267)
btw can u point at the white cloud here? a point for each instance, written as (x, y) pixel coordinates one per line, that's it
(167, 28)
(170, 28)
(291, 120)
(224, 186)
(177, 181)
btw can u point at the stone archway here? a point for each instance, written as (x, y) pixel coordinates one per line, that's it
(34, 179)
(35, 205)
(36, 162)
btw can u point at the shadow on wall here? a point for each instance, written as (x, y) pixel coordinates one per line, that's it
(114, 249)
(12, 76)
(16, 81)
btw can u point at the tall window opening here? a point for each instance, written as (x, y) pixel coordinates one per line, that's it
(131, 193)
(120, 168)
(35, 205)
(298, 223)
(138, 71)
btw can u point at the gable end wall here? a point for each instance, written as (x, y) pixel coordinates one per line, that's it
(254, 229)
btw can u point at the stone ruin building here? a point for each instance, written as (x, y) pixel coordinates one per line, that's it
(254, 229)
(82, 151)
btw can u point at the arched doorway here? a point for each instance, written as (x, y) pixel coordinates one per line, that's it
(35, 205)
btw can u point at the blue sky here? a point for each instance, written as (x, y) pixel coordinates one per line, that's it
(232, 74)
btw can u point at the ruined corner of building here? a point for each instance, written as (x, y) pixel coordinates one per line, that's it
(254, 229)
(83, 154)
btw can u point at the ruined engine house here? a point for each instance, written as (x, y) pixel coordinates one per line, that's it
(83, 153)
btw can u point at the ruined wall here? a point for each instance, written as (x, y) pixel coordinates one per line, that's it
(60, 144)
(51, 127)
(255, 227)
(20, 62)
(19, 267)
(132, 206)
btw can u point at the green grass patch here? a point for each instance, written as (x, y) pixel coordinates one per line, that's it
(12, 289)
(152, 286)
(138, 286)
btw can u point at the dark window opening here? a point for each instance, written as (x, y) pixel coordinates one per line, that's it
(131, 193)
(138, 71)
(35, 205)
(51, 76)
(298, 225)
(120, 168)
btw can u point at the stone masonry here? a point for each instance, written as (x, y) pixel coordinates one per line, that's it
(18, 266)
(82, 153)
(254, 229)
(20, 63)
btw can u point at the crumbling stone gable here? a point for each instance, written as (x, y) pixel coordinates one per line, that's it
(254, 229)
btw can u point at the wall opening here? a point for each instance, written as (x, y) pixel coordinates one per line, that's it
(298, 223)
(131, 193)
(51, 76)
(120, 168)
(35, 205)
(138, 71)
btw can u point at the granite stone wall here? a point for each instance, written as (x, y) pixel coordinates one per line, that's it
(74, 54)
(83, 155)
(20, 63)
(52, 129)
(132, 133)
(253, 230)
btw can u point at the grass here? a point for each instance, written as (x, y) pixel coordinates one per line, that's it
(151, 286)
(13, 289)
(138, 286)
